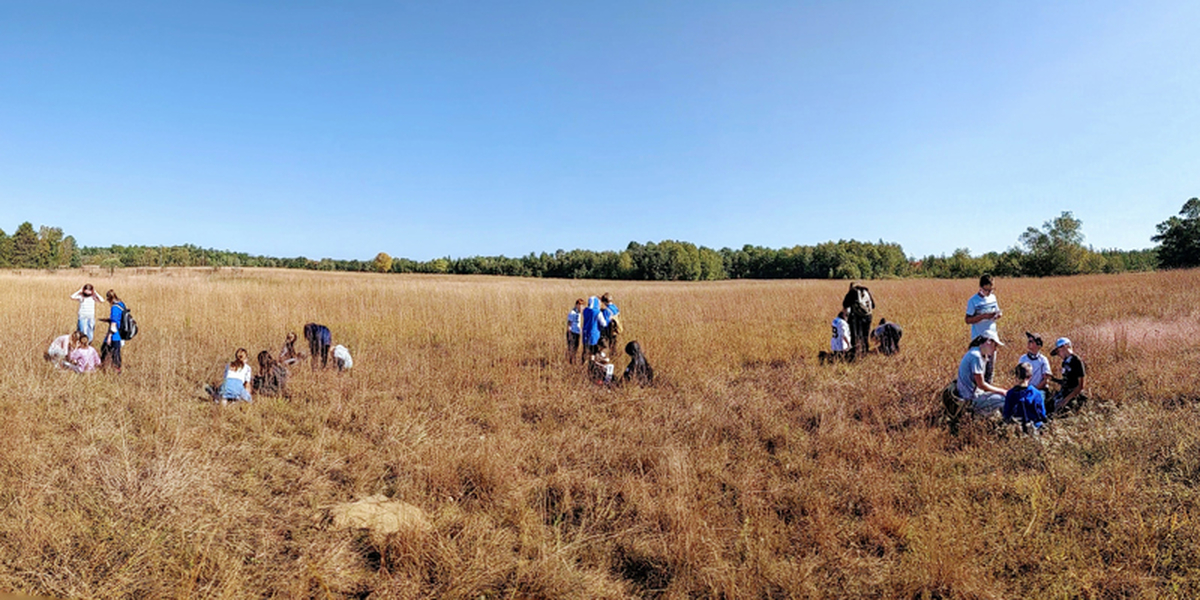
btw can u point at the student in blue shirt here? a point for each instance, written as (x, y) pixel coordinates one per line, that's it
(1024, 403)
(110, 351)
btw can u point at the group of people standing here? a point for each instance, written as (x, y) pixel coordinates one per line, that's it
(74, 351)
(239, 383)
(1026, 402)
(595, 326)
(852, 331)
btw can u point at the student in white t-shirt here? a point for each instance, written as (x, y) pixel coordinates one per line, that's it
(841, 345)
(982, 313)
(238, 377)
(341, 356)
(87, 298)
(1039, 365)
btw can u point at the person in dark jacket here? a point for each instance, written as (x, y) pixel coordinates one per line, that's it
(272, 376)
(859, 304)
(319, 343)
(639, 370)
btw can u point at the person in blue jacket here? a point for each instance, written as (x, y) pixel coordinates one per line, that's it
(110, 351)
(593, 322)
(1024, 403)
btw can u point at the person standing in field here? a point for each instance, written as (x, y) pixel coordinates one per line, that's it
(1024, 403)
(1039, 365)
(888, 335)
(110, 352)
(859, 305)
(1070, 393)
(982, 313)
(612, 327)
(319, 342)
(574, 330)
(971, 385)
(591, 325)
(87, 298)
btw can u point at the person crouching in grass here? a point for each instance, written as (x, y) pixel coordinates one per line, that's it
(984, 397)
(1024, 403)
(1070, 395)
(236, 385)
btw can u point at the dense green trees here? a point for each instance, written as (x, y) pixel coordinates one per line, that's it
(1055, 249)
(1179, 237)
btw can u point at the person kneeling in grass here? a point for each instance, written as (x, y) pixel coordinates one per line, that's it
(272, 376)
(238, 376)
(984, 397)
(83, 358)
(1024, 403)
(1070, 395)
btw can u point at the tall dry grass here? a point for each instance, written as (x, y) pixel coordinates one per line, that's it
(749, 471)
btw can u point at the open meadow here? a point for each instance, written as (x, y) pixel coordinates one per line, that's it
(748, 471)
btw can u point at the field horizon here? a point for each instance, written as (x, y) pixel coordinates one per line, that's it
(748, 471)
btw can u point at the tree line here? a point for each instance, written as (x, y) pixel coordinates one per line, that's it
(1054, 249)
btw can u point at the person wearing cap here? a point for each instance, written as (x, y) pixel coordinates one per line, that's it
(1039, 365)
(984, 397)
(1071, 383)
(982, 313)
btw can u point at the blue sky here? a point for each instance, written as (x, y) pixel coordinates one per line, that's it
(467, 128)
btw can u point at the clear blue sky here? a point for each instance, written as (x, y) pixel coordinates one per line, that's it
(427, 129)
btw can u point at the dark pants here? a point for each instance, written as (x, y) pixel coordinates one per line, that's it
(573, 341)
(111, 350)
(860, 332)
(318, 348)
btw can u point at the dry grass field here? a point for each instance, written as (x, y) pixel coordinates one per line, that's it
(749, 471)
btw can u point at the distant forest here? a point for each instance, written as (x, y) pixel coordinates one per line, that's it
(1054, 249)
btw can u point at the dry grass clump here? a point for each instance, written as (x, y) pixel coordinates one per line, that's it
(748, 471)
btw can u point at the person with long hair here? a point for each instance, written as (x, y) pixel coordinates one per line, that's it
(236, 384)
(272, 376)
(110, 352)
(639, 370)
(288, 355)
(87, 298)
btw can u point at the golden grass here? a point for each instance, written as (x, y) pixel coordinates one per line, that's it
(748, 472)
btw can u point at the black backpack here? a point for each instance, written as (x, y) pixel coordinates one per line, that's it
(128, 327)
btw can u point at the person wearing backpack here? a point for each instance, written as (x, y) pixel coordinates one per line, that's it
(110, 352)
(859, 305)
(612, 328)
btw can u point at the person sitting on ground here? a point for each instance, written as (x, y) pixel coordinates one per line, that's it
(984, 397)
(1039, 365)
(272, 377)
(639, 370)
(57, 353)
(574, 330)
(83, 357)
(319, 343)
(288, 355)
(1070, 393)
(841, 347)
(600, 368)
(887, 335)
(236, 385)
(1024, 403)
(341, 356)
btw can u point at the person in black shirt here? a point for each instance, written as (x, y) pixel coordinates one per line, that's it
(1070, 393)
